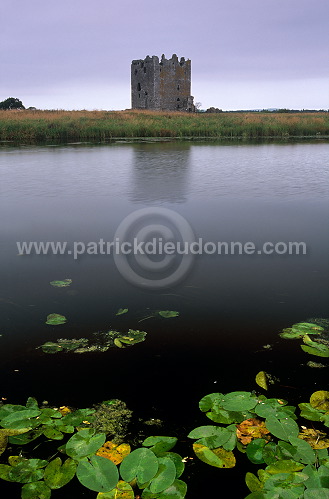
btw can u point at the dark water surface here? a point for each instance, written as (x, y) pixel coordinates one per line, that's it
(229, 305)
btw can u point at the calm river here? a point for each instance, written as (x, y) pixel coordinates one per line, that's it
(230, 305)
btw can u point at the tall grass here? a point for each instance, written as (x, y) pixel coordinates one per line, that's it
(66, 126)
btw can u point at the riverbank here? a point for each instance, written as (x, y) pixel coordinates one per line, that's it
(39, 126)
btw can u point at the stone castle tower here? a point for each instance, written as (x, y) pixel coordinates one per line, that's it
(161, 85)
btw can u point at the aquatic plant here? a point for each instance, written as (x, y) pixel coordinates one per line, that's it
(104, 466)
(296, 459)
(101, 342)
(61, 284)
(318, 330)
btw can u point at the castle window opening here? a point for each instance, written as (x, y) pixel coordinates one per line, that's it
(138, 87)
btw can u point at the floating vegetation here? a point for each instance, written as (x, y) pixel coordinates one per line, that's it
(151, 469)
(55, 319)
(165, 314)
(316, 365)
(266, 431)
(264, 379)
(61, 284)
(101, 342)
(112, 417)
(122, 311)
(319, 331)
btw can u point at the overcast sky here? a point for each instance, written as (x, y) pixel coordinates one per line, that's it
(246, 54)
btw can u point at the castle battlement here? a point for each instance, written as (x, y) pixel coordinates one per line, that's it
(161, 84)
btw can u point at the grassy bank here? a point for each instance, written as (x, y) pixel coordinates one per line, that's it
(40, 126)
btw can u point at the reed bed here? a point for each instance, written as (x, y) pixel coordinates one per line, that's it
(30, 126)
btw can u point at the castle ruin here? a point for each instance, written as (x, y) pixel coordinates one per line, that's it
(161, 85)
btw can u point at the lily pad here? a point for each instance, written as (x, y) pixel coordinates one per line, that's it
(55, 319)
(61, 284)
(320, 400)
(122, 311)
(261, 380)
(166, 314)
(219, 458)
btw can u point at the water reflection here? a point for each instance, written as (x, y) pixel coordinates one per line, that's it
(160, 173)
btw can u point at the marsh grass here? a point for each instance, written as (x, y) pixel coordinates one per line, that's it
(65, 126)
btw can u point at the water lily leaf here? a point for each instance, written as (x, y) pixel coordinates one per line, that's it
(282, 428)
(84, 443)
(141, 464)
(116, 453)
(57, 474)
(97, 473)
(253, 483)
(123, 490)
(284, 466)
(122, 311)
(317, 478)
(7, 432)
(261, 380)
(274, 407)
(32, 403)
(215, 436)
(75, 418)
(177, 490)
(219, 458)
(21, 419)
(4, 472)
(251, 429)
(166, 314)
(315, 438)
(164, 477)
(25, 438)
(35, 490)
(320, 400)
(132, 337)
(177, 460)
(28, 470)
(160, 444)
(254, 450)
(307, 328)
(51, 347)
(55, 319)
(308, 412)
(318, 493)
(239, 401)
(61, 284)
(315, 348)
(303, 451)
(52, 433)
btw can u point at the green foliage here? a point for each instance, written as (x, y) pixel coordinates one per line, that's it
(55, 319)
(297, 463)
(122, 311)
(101, 343)
(152, 469)
(57, 474)
(97, 473)
(61, 284)
(319, 330)
(11, 103)
(167, 314)
(84, 443)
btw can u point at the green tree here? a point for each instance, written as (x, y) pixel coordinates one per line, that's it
(11, 103)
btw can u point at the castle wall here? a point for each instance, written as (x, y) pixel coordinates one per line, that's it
(161, 85)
